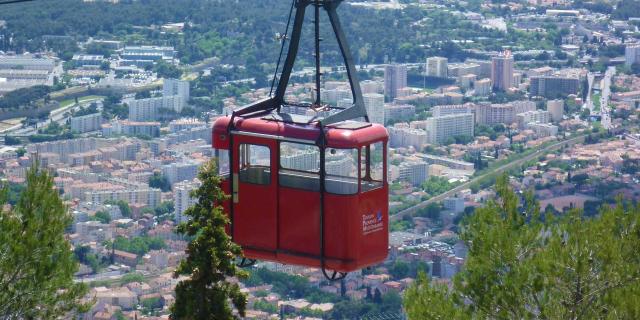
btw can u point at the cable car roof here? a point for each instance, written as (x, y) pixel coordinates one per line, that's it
(346, 134)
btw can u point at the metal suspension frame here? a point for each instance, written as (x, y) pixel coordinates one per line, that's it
(275, 103)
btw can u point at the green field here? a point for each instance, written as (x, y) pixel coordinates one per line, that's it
(596, 101)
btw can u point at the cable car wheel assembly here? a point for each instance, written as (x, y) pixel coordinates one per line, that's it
(276, 101)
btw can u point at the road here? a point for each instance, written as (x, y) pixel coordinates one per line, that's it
(411, 210)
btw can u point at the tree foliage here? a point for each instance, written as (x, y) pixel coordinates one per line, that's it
(523, 264)
(36, 261)
(210, 257)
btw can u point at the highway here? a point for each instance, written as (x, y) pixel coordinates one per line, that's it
(411, 210)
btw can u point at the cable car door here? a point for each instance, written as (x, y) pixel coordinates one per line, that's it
(255, 194)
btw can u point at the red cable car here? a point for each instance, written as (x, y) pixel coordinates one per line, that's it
(306, 191)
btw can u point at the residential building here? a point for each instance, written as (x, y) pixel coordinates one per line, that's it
(482, 87)
(146, 196)
(437, 67)
(543, 130)
(180, 171)
(440, 129)
(447, 162)
(632, 54)
(395, 78)
(374, 103)
(86, 123)
(401, 135)
(502, 71)
(454, 204)
(398, 112)
(556, 109)
(491, 114)
(553, 86)
(131, 128)
(414, 172)
(185, 124)
(173, 87)
(446, 110)
(182, 198)
(537, 116)
(148, 109)
(460, 69)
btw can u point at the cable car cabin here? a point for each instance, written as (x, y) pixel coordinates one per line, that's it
(277, 207)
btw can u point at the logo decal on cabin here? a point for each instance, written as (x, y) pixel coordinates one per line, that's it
(372, 223)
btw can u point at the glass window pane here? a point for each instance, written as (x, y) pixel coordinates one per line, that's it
(341, 167)
(299, 166)
(255, 164)
(373, 160)
(222, 157)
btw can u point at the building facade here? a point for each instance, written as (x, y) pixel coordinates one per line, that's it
(502, 71)
(395, 78)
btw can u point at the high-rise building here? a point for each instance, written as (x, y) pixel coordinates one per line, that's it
(395, 78)
(86, 123)
(556, 109)
(374, 103)
(440, 129)
(182, 198)
(148, 109)
(173, 87)
(632, 54)
(401, 135)
(553, 86)
(437, 67)
(502, 71)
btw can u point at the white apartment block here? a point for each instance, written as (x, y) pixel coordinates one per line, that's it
(401, 135)
(147, 196)
(632, 54)
(414, 172)
(543, 130)
(491, 114)
(173, 87)
(395, 78)
(180, 171)
(371, 86)
(399, 112)
(147, 109)
(437, 67)
(182, 198)
(439, 129)
(537, 116)
(556, 109)
(447, 110)
(374, 103)
(87, 123)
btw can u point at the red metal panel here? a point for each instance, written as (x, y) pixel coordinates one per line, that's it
(299, 221)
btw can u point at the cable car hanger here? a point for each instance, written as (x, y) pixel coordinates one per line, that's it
(275, 102)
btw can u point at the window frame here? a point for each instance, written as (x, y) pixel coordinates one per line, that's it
(357, 177)
(270, 166)
(368, 163)
(282, 170)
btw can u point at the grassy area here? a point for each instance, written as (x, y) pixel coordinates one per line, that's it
(596, 101)
(68, 102)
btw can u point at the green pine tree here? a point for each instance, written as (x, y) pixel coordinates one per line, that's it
(210, 258)
(523, 264)
(36, 261)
